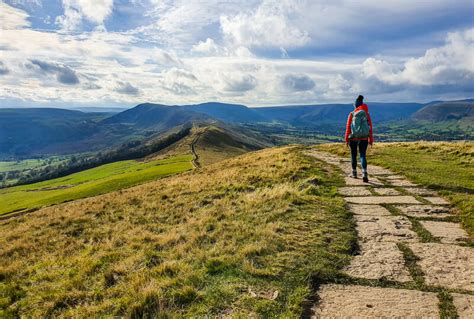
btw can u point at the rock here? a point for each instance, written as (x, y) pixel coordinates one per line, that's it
(436, 200)
(464, 305)
(372, 210)
(379, 260)
(341, 301)
(354, 191)
(387, 191)
(401, 182)
(384, 229)
(448, 233)
(425, 211)
(359, 182)
(448, 266)
(420, 191)
(383, 200)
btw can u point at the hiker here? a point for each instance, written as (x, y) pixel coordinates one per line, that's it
(359, 135)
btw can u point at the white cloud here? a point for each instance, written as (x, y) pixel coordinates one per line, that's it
(208, 46)
(270, 25)
(95, 11)
(450, 64)
(12, 18)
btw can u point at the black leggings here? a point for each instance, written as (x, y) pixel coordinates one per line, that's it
(362, 144)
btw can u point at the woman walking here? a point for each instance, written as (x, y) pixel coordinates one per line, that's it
(359, 135)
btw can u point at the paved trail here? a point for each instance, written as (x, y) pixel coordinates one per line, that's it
(413, 260)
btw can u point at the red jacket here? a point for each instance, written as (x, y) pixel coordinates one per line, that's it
(349, 121)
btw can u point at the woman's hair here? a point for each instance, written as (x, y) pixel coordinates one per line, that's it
(359, 101)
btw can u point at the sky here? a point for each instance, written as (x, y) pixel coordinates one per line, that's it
(70, 53)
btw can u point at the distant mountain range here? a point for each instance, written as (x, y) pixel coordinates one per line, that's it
(44, 131)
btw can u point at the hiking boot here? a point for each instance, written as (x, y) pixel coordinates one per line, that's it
(365, 178)
(354, 174)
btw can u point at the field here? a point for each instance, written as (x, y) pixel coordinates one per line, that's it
(91, 182)
(445, 167)
(245, 237)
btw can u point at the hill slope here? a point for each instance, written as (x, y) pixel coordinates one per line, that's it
(230, 113)
(445, 111)
(240, 237)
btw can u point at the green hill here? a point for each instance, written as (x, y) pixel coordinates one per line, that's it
(446, 111)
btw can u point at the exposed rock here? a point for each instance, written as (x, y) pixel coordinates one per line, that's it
(448, 233)
(464, 305)
(354, 191)
(359, 182)
(437, 200)
(372, 210)
(338, 301)
(425, 211)
(379, 260)
(383, 200)
(420, 191)
(384, 228)
(448, 266)
(387, 191)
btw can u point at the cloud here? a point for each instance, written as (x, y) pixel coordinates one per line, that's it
(240, 83)
(12, 18)
(450, 64)
(3, 69)
(208, 46)
(297, 82)
(271, 25)
(95, 11)
(63, 73)
(126, 88)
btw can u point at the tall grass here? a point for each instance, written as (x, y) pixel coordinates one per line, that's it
(240, 238)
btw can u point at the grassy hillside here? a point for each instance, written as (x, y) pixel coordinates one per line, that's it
(91, 182)
(239, 238)
(442, 166)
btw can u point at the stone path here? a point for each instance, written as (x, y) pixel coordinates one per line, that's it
(383, 210)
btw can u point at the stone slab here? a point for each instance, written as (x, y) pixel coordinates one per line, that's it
(464, 305)
(359, 182)
(425, 211)
(448, 233)
(449, 266)
(394, 177)
(384, 229)
(354, 191)
(377, 170)
(401, 182)
(382, 200)
(420, 191)
(371, 210)
(379, 260)
(348, 301)
(436, 200)
(386, 191)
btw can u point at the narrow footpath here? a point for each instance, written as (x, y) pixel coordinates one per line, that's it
(414, 259)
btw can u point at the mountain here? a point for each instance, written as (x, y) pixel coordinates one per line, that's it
(155, 116)
(445, 111)
(313, 115)
(231, 113)
(24, 131)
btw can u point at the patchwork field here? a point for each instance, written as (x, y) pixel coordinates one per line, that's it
(91, 182)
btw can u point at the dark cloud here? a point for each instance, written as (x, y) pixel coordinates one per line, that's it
(63, 73)
(242, 84)
(297, 82)
(126, 88)
(3, 69)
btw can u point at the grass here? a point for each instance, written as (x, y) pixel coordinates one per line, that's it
(91, 182)
(242, 237)
(446, 167)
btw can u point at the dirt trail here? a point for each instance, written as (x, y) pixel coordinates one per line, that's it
(195, 160)
(413, 260)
